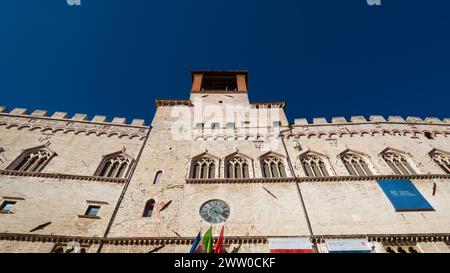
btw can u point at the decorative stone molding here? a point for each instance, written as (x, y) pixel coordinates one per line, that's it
(316, 179)
(389, 238)
(339, 133)
(139, 241)
(241, 180)
(162, 102)
(78, 124)
(63, 176)
(279, 104)
(373, 119)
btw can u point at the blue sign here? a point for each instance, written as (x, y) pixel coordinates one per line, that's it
(403, 195)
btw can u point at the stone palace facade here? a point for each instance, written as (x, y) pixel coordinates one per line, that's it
(69, 184)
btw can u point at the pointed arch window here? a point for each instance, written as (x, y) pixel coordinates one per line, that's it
(32, 160)
(273, 167)
(157, 177)
(313, 165)
(115, 165)
(398, 163)
(237, 167)
(355, 164)
(203, 168)
(148, 209)
(443, 160)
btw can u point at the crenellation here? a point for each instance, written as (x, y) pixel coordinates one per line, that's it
(395, 119)
(80, 117)
(358, 119)
(301, 121)
(118, 120)
(377, 118)
(433, 120)
(320, 121)
(59, 115)
(19, 111)
(414, 120)
(446, 120)
(40, 113)
(3, 109)
(338, 120)
(99, 118)
(138, 122)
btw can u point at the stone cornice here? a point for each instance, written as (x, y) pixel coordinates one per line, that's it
(139, 241)
(241, 181)
(168, 102)
(305, 131)
(315, 179)
(76, 126)
(279, 104)
(63, 176)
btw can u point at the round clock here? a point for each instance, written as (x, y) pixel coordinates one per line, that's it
(215, 211)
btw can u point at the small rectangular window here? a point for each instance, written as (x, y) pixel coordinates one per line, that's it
(92, 210)
(230, 125)
(215, 125)
(246, 123)
(276, 123)
(7, 206)
(199, 125)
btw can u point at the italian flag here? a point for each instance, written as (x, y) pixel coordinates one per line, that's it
(208, 241)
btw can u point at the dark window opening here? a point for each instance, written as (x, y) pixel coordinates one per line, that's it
(428, 135)
(7, 206)
(215, 125)
(92, 210)
(148, 209)
(199, 125)
(223, 82)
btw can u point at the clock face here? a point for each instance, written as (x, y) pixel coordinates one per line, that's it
(215, 211)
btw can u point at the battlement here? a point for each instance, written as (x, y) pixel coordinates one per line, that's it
(76, 117)
(371, 119)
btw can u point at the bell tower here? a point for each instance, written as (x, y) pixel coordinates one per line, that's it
(234, 81)
(220, 87)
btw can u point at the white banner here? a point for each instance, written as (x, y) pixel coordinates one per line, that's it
(350, 245)
(290, 243)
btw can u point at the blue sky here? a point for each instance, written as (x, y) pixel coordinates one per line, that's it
(324, 58)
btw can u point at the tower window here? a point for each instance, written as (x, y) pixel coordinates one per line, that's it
(92, 211)
(199, 125)
(148, 209)
(219, 82)
(215, 125)
(157, 178)
(428, 135)
(7, 207)
(230, 125)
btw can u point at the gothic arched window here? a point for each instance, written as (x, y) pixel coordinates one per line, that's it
(32, 160)
(203, 168)
(148, 209)
(157, 178)
(273, 167)
(443, 160)
(237, 167)
(355, 164)
(114, 165)
(398, 163)
(314, 166)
